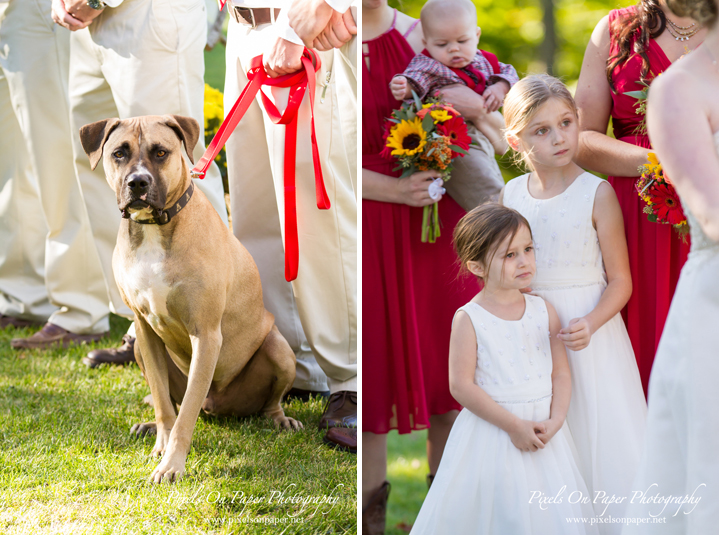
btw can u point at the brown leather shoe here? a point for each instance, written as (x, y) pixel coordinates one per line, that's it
(125, 354)
(375, 512)
(53, 336)
(11, 321)
(344, 438)
(340, 411)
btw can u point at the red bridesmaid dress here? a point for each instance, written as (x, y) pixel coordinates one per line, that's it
(410, 290)
(656, 253)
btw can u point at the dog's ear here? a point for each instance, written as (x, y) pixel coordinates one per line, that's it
(187, 129)
(93, 137)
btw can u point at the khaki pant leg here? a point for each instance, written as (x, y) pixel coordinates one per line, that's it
(476, 178)
(326, 287)
(73, 280)
(255, 219)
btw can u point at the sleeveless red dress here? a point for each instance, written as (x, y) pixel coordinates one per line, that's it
(410, 289)
(656, 253)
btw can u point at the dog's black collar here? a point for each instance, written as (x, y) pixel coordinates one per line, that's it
(162, 217)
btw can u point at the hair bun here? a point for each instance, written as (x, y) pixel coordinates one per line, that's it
(702, 11)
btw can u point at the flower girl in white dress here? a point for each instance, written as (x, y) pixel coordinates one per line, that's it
(583, 271)
(508, 467)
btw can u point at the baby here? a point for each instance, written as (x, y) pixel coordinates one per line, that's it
(451, 57)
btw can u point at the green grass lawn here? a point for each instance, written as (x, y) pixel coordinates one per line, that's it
(407, 471)
(68, 463)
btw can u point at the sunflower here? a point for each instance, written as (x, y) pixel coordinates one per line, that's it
(407, 138)
(456, 130)
(666, 204)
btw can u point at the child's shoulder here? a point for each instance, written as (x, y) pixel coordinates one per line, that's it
(515, 185)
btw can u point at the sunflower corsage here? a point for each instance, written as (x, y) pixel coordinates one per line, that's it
(423, 137)
(662, 202)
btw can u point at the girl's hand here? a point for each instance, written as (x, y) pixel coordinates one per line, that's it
(414, 190)
(551, 426)
(577, 334)
(525, 435)
(400, 88)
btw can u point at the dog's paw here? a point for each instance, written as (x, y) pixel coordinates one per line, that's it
(168, 472)
(144, 429)
(286, 423)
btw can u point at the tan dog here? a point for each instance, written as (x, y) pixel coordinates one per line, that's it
(194, 288)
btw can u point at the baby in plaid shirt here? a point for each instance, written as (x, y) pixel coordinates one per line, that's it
(451, 57)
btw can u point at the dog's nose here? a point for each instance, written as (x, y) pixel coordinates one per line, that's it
(138, 183)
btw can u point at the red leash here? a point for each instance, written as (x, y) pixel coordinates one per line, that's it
(298, 82)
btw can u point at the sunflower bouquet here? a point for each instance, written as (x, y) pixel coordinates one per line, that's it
(423, 137)
(662, 202)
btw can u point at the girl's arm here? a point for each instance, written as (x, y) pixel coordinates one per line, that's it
(561, 380)
(608, 220)
(597, 151)
(412, 190)
(462, 364)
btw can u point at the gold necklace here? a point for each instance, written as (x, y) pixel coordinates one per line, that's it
(682, 33)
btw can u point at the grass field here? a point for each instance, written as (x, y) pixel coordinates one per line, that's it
(68, 463)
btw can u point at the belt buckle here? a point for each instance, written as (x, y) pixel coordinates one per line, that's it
(241, 19)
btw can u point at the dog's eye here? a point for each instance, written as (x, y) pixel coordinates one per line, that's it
(118, 154)
(161, 153)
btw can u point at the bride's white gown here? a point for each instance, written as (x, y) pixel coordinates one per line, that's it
(681, 454)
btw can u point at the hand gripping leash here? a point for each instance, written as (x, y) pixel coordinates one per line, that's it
(298, 82)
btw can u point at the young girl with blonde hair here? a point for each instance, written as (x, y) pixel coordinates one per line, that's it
(583, 271)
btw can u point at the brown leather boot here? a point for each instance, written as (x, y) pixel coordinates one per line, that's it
(374, 514)
(53, 336)
(125, 354)
(340, 411)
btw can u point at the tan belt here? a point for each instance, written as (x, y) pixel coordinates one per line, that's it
(254, 17)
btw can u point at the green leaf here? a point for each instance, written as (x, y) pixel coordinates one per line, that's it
(430, 152)
(428, 123)
(416, 99)
(639, 95)
(652, 217)
(460, 150)
(411, 115)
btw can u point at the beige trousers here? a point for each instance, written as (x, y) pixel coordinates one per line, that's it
(144, 57)
(321, 304)
(45, 239)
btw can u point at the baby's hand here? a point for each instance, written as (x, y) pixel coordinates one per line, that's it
(525, 435)
(551, 427)
(494, 96)
(576, 335)
(400, 88)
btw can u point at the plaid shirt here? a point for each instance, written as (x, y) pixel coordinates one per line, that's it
(425, 74)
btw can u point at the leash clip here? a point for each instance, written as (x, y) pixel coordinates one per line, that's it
(197, 174)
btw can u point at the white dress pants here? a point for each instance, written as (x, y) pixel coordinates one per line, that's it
(46, 246)
(321, 304)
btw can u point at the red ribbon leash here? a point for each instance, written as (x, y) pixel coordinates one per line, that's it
(298, 82)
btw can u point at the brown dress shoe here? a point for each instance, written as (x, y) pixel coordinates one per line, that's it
(11, 321)
(340, 411)
(375, 512)
(343, 438)
(125, 354)
(53, 336)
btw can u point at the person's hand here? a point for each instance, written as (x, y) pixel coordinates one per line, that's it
(551, 428)
(525, 435)
(494, 96)
(308, 18)
(576, 335)
(414, 190)
(285, 57)
(73, 14)
(338, 31)
(469, 104)
(400, 88)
